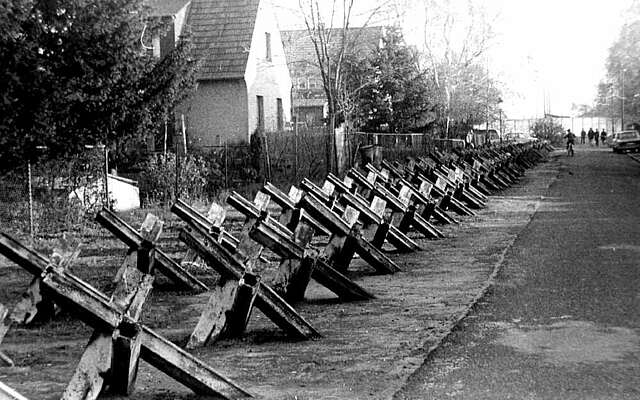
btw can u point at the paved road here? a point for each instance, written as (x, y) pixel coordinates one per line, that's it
(563, 320)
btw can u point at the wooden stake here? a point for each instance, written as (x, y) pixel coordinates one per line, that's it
(213, 319)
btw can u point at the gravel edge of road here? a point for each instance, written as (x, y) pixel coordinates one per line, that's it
(498, 266)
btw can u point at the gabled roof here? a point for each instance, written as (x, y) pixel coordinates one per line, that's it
(299, 48)
(221, 36)
(165, 8)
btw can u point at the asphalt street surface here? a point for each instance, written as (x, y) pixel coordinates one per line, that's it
(563, 318)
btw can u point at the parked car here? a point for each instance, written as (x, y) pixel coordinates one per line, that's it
(625, 141)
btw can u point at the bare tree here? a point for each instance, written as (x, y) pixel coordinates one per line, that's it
(329, 24)
(456, 38)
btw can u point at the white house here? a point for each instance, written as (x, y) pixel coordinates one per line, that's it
(243, 79)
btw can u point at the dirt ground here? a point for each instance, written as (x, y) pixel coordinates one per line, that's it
(367, 351)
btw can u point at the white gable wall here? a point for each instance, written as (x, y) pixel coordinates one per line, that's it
(270, 79)
(179, 21)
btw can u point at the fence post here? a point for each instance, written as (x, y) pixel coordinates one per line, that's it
(226, 165)
(177, 183)
(31, 226)
(295, 150)
(267, 156)
(107, 203)
(165, 136)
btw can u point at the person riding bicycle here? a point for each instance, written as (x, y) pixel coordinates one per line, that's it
(570, 138)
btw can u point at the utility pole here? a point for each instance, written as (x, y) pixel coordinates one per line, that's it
(622, 99)
(487, 135)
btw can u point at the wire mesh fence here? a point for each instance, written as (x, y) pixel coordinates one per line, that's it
(47, 198)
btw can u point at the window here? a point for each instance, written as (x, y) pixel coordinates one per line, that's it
(280, 115)
(267, 36)
(260, 101)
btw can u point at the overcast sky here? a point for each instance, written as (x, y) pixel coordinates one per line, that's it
(557, 46)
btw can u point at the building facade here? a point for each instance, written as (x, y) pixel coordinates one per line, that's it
(243, 82)
(309, 101)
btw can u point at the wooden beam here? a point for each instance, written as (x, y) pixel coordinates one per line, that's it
(213, 319)
(341, 285)
(96, 309)
(187, 369)
(32, 261)
(6, 393)
(351, 239)
(240, 311)
(88, 381)
(195, 219)
(134, 240)
(127, 343)
(288, 204)
(268, 301)
(227, 312)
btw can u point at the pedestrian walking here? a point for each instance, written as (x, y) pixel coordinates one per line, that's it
(590, 136)
(583, 134)
(603, 137)
(596, 137)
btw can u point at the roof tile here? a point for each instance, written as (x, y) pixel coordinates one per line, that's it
(222, 32)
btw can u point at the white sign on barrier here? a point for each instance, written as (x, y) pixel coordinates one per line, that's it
(378, 206)
(459, 175)
(350, 215)
(348, 181)
(216, 214)
(451, 175)
(405, 195)
(262, 200)
(328, 188)
(295, 194)
(371, 177)
(425, 188)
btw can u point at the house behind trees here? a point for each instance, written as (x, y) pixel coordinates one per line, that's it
(243, 83)
(309, 101)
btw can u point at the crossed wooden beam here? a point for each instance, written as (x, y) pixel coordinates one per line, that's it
(300, 260)
(371, 213)
(162, 262)
(402, 208)
(417, 196)
(119, 340)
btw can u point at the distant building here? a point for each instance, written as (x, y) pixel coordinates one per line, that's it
(308, 96)
(243, 80)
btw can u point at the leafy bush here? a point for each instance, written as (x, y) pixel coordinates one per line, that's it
(204, 174)
(198, 178)
(548, 129)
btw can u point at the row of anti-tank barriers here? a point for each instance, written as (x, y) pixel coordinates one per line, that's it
(359, 214)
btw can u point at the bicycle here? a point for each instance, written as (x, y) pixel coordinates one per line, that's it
(570, 149)
(570, 138)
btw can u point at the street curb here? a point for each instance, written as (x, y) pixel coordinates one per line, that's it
(498, 266)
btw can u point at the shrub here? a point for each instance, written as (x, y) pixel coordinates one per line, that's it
(158, 178)
(548, 129)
